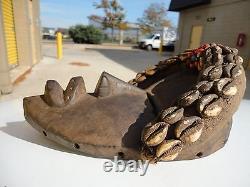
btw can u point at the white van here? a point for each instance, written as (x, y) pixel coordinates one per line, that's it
(154, 41)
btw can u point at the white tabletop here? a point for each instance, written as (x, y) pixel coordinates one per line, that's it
(27, 159)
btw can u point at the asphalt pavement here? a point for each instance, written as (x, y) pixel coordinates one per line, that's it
(137, 60)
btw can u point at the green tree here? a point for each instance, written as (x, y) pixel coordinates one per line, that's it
(85, 34)
(113, 14)
(154, 17)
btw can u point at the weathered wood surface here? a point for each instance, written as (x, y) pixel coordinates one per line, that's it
(168, 112)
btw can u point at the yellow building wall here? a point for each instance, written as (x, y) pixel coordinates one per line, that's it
(27, 23)
(22, 31)
(9, 31)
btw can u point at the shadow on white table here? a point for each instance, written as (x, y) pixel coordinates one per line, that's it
(22, 130)
(29, 159)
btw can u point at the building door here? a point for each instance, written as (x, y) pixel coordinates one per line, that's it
(9, 31)
(196, 34)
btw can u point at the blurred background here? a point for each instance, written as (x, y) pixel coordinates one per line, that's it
(108, 35)
(44, 40)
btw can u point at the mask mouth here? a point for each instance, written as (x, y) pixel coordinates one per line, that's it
(205, 84)
(101, 124)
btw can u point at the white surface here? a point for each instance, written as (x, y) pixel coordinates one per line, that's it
(28, 159)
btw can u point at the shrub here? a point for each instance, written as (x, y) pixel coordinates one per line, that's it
(85, 34)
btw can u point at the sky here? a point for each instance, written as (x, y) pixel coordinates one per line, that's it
(65, 13)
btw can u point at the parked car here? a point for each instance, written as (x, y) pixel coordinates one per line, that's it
(151, 42)
(49, 37)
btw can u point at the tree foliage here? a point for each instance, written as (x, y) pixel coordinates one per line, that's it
(154, 17)
(85, 34)
(113, 14)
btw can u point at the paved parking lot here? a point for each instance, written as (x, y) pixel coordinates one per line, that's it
(78, 60)
(137, 60)
(86, 61)
(127, 56)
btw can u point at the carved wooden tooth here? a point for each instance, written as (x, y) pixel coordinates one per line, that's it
(204, 86)
(184, 125)
(205, 101)
(168, 150)
(153, 135)
(192, 133)
(75, 89)
(227, 69)
(103, 87)
(172, 115)
(53, 94)
(189, 97)
(236, 71)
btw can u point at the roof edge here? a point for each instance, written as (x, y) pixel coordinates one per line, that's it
(178, 5)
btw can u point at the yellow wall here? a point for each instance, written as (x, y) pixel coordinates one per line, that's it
(9, 31)
(28, 39)
(28, 49)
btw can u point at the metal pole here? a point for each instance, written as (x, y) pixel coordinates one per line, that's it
(161, 45)
(59, 45)
(162, 40)
(121, 36)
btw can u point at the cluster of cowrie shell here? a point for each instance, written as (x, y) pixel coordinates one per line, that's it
(221, 67)
(152, 70)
